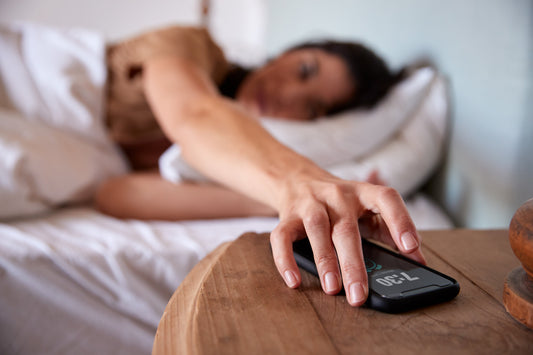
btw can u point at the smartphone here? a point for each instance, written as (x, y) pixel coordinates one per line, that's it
(396, 283)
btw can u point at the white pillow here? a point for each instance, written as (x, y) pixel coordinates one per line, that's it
(43, 167)
(55, 76)
(409, 157)
(54, 147)
(330, 141)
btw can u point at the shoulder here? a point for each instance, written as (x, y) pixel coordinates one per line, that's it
(186, 42)
(170, 38)
(180, 33)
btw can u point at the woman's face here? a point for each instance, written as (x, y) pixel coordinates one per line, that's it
(299, 85)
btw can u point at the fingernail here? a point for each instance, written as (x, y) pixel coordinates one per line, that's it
(409, 241)
(357, 293)
(331, 281)
(290, 278)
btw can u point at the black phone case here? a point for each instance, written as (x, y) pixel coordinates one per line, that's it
(304, 258)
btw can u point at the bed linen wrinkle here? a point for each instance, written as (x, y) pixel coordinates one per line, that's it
(103, 266)
(64, 305)
(61, 71)
(55, 147)
(130, 266)
(15, 81)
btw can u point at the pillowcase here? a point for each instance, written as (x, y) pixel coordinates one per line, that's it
(43, 167)
(335, 142)
(413, 153)
(56, 76)
(54, 148)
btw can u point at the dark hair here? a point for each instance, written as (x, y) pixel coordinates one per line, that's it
(370, 74)
(234, 78)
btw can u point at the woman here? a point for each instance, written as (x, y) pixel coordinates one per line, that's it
(164, 87)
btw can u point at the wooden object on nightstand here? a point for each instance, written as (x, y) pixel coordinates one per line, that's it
(518, 289)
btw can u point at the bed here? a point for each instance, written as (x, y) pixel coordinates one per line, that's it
(79, 282)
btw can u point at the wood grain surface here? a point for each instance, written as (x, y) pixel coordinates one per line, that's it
(234, 302)
(518, 290)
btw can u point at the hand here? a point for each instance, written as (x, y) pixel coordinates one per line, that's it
(333, 214)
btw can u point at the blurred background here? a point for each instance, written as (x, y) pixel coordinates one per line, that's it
(484, 47)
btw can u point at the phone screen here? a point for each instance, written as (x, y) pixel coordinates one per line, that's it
(394, 277)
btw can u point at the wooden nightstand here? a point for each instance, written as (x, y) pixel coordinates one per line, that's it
(234, 302)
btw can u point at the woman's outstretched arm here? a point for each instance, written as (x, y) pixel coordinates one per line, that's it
(145, 195)
(221, 141)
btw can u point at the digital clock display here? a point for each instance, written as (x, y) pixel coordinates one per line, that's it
(393, 277)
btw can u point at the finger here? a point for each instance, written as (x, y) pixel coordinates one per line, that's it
(388, 202)
(281, 240)
(318, 231)
(372, 226)
(373, 177)
(347, 242)
(417, 256)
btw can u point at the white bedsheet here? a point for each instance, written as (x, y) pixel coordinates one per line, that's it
(78, 282)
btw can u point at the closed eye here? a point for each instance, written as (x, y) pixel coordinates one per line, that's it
(308, 69)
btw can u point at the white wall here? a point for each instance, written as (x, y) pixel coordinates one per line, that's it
(486, 49)
(237, 25)
(114, 18)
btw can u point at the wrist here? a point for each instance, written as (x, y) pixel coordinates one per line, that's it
(289, 178)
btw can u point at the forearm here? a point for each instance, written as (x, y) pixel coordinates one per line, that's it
(147, 196)
(236, 151)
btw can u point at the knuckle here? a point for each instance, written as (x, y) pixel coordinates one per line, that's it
(345, 229)
(344, 233)
(387, 194)
(281, 262)
(336, 190)
(353, 270)
(324, 260)
(317, 219)
(341, 192)
(279, 233)
(280, 239)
